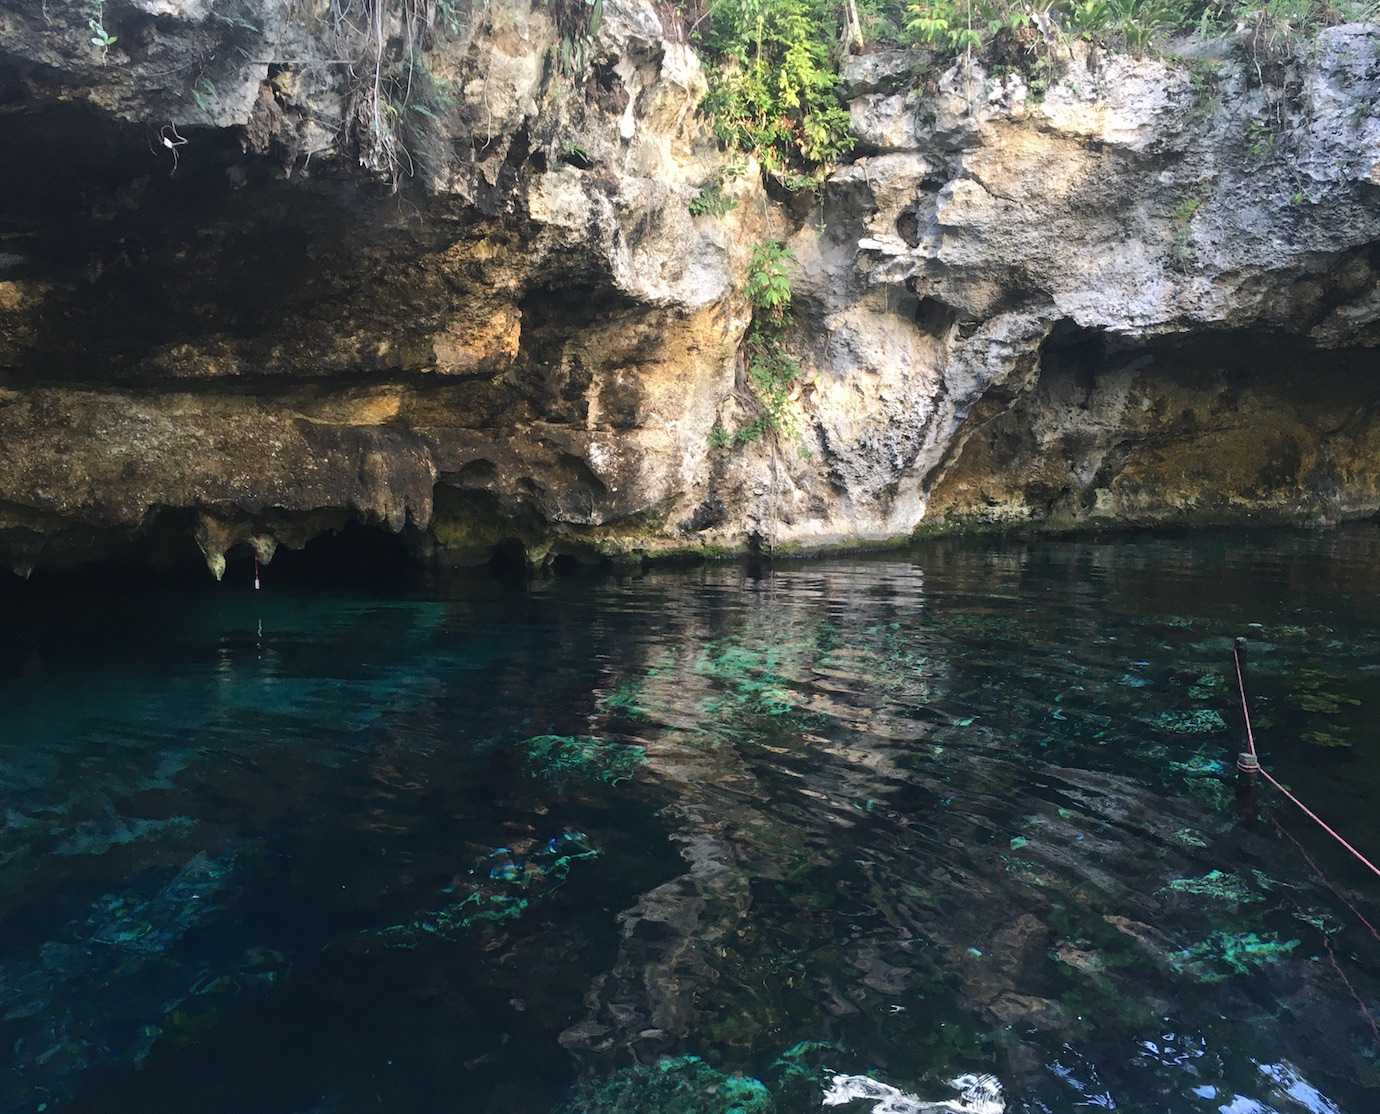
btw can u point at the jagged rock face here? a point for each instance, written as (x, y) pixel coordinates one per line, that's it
(1226, 226)
(253, 288)
(265, 339)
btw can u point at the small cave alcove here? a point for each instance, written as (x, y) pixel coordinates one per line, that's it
(357, 555)
(164, 556)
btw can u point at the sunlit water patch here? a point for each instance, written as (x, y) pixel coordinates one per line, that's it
(954, 831)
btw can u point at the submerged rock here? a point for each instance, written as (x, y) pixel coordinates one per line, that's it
(1200, 721)
(1224, 954)
(572, 758)
(673, 1085)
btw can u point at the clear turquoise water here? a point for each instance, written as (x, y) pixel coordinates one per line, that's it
(855, 827)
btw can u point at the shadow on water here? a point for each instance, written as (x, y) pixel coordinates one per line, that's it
(956, 827)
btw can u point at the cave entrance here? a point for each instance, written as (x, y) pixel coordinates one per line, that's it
(357, 555)
(1248, 427)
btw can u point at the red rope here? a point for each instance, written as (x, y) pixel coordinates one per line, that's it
(1328, 883)
(1250, 741)
(1365, 1010)
(1327, 940)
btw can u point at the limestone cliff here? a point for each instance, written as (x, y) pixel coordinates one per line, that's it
(270, 268)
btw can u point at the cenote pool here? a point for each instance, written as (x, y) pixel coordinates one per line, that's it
(955, 829)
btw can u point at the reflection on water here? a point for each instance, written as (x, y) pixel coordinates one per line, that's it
(954, 831)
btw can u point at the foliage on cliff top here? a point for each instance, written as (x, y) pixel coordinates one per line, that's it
(954, 27)
(773, 83)
(774, 64)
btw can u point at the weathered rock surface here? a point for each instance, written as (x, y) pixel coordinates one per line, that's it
(260, 279)
(1210, 240)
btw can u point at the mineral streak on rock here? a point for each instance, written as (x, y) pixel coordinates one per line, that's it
(235, 315)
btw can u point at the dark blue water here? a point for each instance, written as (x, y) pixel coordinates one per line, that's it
(832, 834)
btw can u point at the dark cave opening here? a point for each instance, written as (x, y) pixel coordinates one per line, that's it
(1253, 427)
(164, 555)
(508, 559)
(934, 317)
(358, 555)
(139, 253)
(566, 564)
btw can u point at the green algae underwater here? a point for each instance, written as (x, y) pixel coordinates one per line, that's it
(955, 829)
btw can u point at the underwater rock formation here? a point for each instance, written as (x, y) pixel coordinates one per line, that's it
(1096, 911)
(261, 278)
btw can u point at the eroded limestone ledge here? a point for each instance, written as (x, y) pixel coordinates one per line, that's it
(1148, 296)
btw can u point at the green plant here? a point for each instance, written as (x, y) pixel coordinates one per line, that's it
(1260, 140)
(1087, 18)
(754, 431)
(101, 39)
(576, 154)
(1043, 73)
(1273, 27)
(768, 286)
(773, 84)
(991, 27)
(1181, 248)
(1186, 210)
(577, 22)
(1000, 28)
(772, 372)
(453, 15)
(947, 25)
(882, 21)
(1136, 34)
(1212, 20)
(432, 96)
(1140, 23)
(710, 199)
(929, 21)
(203, 92)
(1203, 79)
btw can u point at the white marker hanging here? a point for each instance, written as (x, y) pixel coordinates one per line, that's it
(167, 135)
(256, 572)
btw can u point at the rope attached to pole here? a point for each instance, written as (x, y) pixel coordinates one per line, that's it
(1250, 763)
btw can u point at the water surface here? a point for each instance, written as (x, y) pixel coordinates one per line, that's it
(723, 839)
